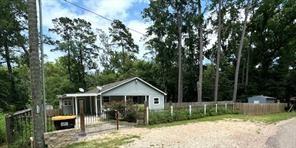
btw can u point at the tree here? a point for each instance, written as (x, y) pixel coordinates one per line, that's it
(180, 71)
(218, 53)
(78, 41)
(199, 98)
(239, 53)
(37, 104)
(12, 23)
(163, 45)
(121, 37)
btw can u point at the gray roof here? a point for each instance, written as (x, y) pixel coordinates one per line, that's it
(105, 88)
(109, 86)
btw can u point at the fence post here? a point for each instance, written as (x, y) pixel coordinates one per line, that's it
(216, 109)
(147, 115)
(82, 120)
(205, 109)
(172, 111)
(117, 119)
(8, 129)
(226, 106)
(190, 110)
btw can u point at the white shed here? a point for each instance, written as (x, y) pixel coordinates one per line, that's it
(133, 90)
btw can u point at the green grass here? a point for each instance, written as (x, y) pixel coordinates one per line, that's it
(2, 128)
(269, 118)
(105, 143)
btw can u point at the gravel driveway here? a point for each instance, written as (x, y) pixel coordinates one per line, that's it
(285, 136)
(219, 134)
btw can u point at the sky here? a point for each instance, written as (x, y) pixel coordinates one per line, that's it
(128, 11)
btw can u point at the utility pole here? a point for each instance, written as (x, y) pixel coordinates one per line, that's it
(42, 63)
(37, 103)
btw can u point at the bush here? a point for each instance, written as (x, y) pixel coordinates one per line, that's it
(160, 117)
(131, 116)
(183, 114)
(2, 128)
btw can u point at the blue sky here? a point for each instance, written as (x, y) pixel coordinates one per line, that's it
(128, 11)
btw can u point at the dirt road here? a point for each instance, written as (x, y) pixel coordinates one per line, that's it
(219, 134)
(285, 136)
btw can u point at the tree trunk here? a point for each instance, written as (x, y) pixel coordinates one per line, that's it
(10, 75)
(37, 107)
(247, 70)
(82, 68)
(69, 62)
(180, 78)
(239, 54)
(218, 54)
(199, 97)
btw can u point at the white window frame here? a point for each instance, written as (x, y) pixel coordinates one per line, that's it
(155, 100)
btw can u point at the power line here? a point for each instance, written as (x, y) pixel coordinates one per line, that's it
(106, 18)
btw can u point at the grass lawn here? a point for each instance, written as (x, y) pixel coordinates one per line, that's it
(105, 143)
(269, 118)
(2, 128)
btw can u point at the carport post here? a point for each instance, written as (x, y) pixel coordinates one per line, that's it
(96, 105)
(76, 106)
(73, 110)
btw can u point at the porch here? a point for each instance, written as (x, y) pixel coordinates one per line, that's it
(93, 104)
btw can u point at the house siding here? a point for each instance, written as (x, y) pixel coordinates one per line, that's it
(138, 88)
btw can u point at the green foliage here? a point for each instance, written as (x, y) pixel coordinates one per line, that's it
(2, 128)
(180, 114)
(78, 42)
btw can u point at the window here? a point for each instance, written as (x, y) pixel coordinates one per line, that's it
(156, 100)
(67, 103)
(106, 99)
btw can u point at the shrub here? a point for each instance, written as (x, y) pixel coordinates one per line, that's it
(160, 117)
(183, 114)
(131, 116)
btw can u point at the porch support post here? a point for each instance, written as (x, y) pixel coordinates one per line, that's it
(61, 103)
(76, 106)
(73, 110)
(101, 104)
(90, 104)
(96, 105)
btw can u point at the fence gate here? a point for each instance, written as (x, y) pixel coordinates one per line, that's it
(19, 128)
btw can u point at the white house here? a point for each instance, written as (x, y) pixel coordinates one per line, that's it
(134, 90)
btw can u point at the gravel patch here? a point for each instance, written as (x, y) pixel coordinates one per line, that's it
(219, 134)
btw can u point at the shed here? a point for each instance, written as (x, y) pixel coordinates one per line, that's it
(261, 99)
(133, 90)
